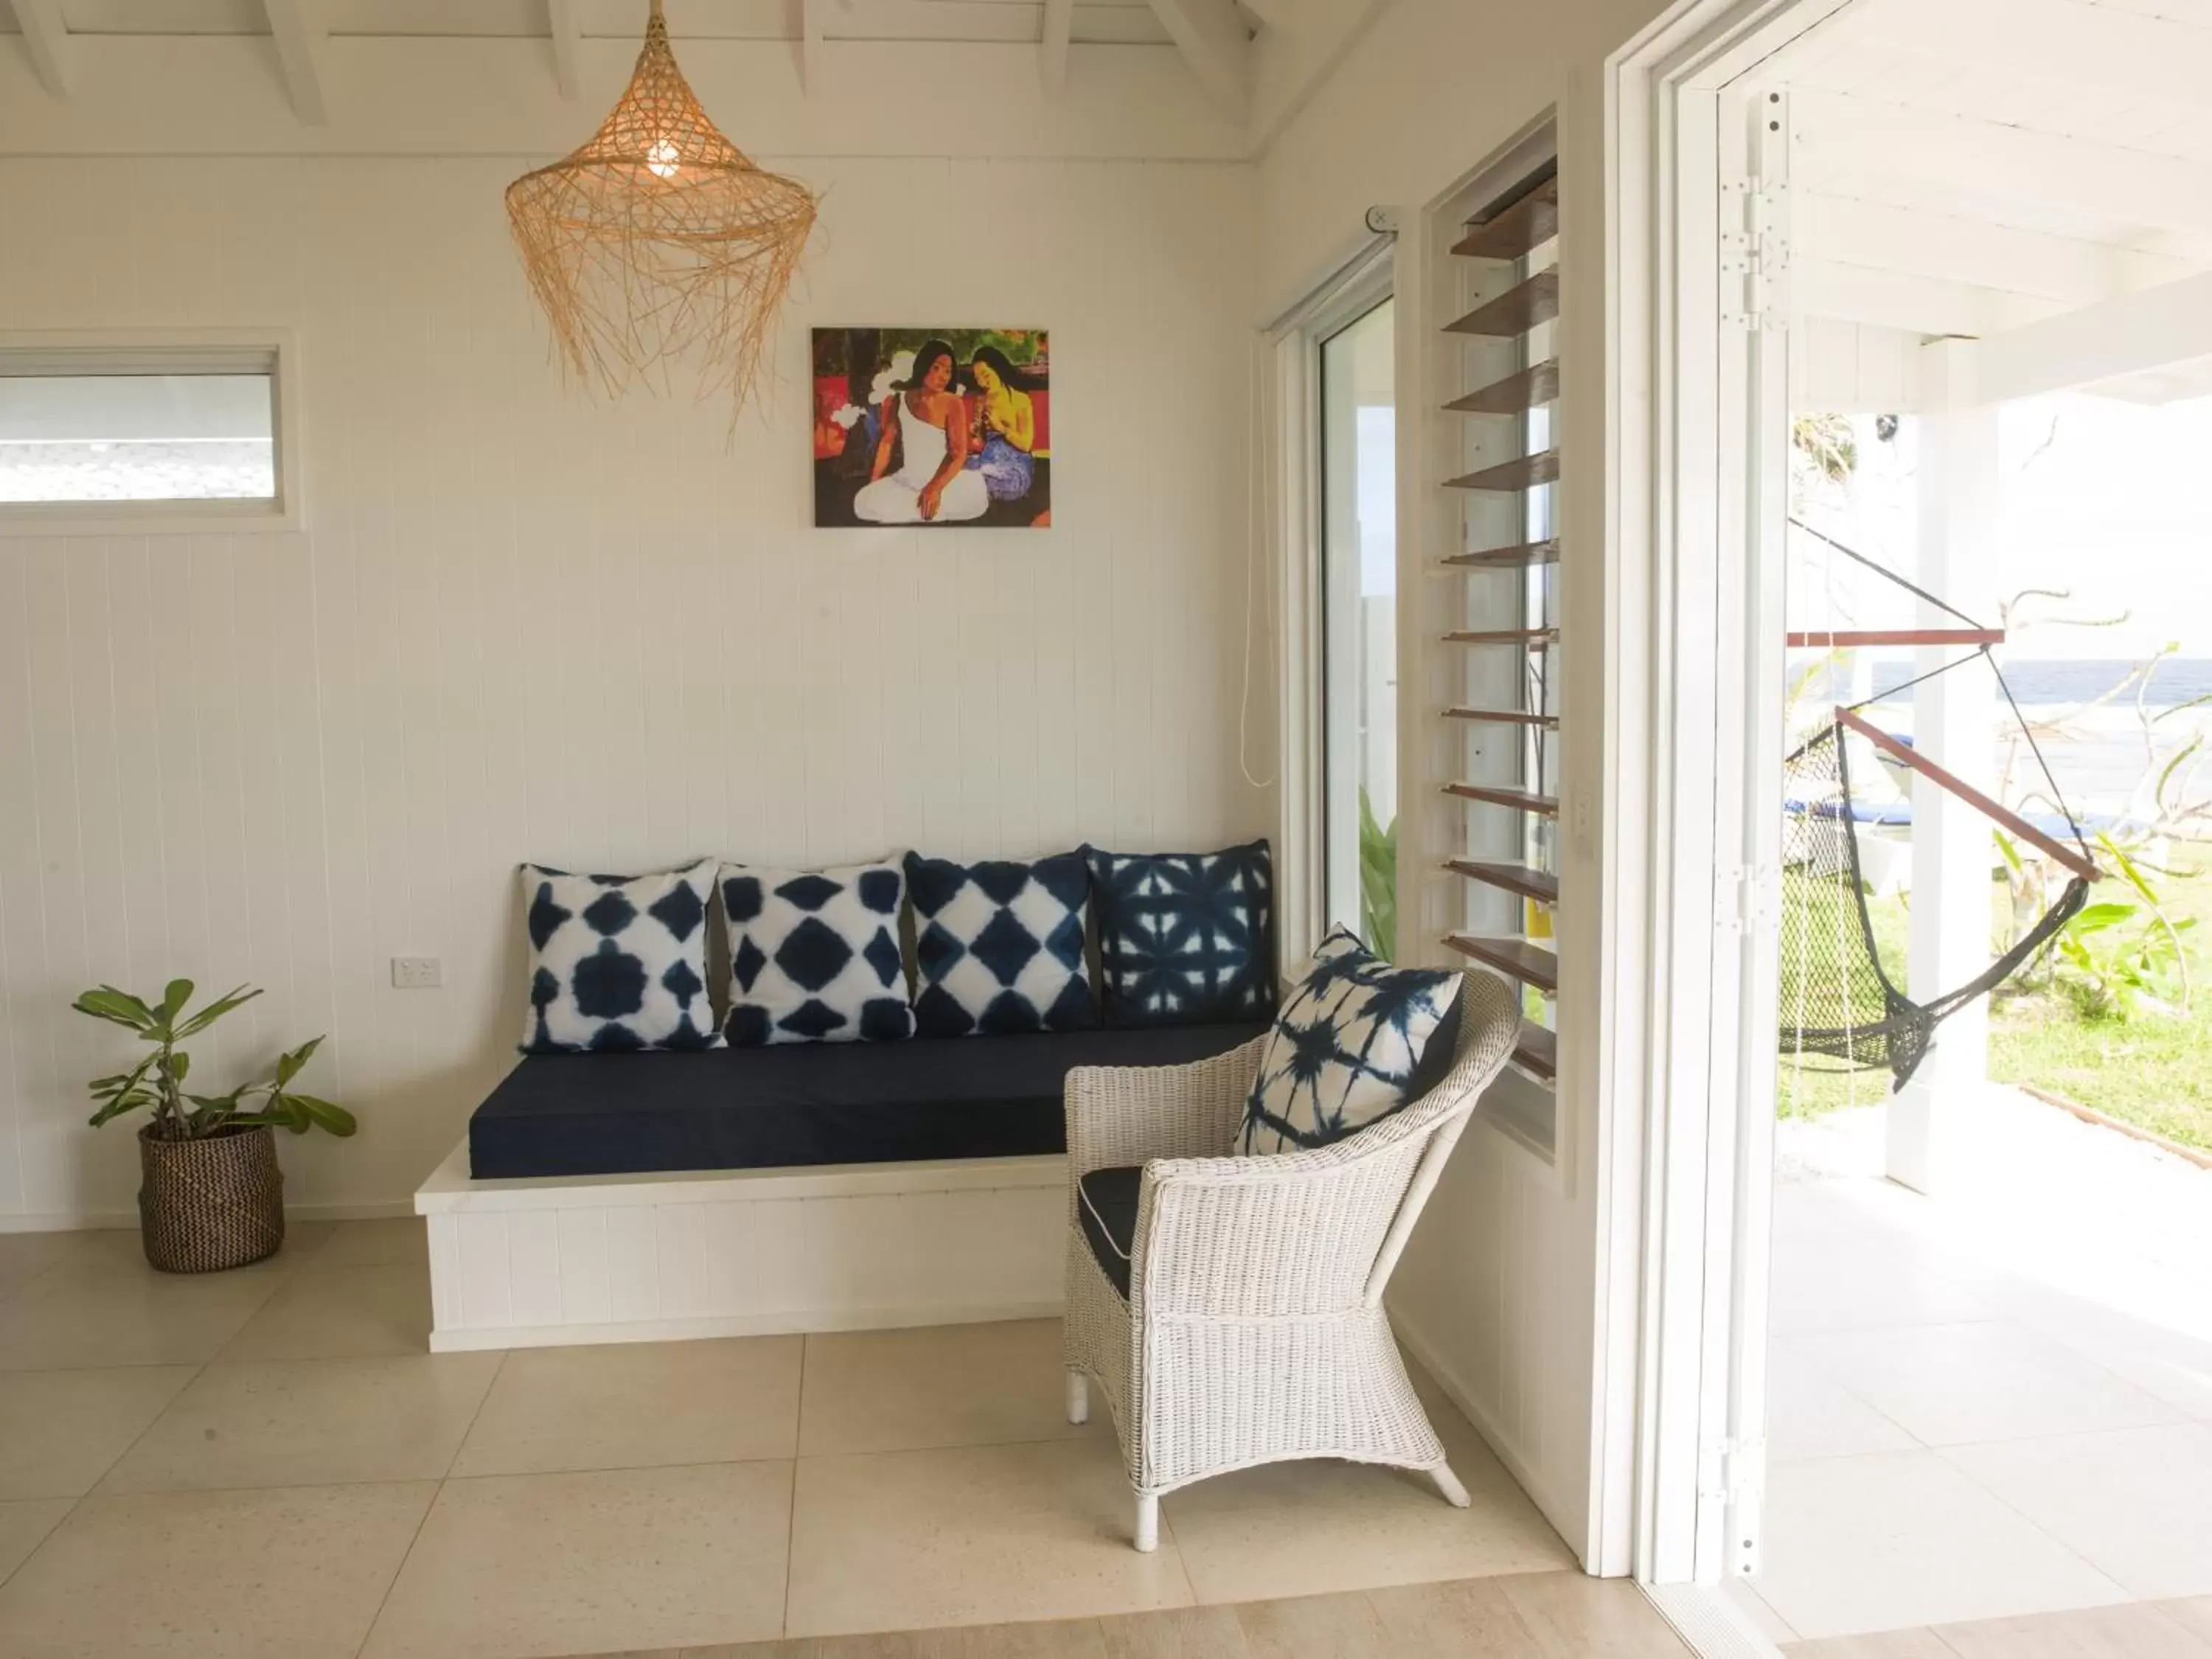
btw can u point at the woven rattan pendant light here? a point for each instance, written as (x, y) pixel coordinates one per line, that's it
(659, 241)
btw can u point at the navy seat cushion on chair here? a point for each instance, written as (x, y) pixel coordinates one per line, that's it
(1109, 1213)
(805, 1103)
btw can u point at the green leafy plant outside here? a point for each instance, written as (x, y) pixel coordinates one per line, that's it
(2117, 958)
(1378, 880)
(156, 1084)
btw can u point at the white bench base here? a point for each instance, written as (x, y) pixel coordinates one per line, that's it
(648, 1258)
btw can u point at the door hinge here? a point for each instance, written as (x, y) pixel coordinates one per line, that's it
(1735, 1473)
(1732, 898)
(1746, 896)
(1734, 1469)
(1754, 252)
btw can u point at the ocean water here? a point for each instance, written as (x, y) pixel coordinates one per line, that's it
(2059, 681)
(2104, 761)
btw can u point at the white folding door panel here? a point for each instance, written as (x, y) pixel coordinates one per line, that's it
(1754, 342)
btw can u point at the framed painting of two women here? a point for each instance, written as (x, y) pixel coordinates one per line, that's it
(921, 428)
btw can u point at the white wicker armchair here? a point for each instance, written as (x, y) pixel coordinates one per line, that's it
(1254, 1329)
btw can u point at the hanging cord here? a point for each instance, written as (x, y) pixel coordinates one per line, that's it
(1253, 538)
(2041, 765)
(2051, 783)
(2073, 825)
(1879, 569)
(1890, 691)
(1846, 854)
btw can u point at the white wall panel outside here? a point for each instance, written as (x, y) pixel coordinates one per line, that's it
(521, 624)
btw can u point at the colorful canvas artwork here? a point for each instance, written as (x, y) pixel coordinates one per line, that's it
(923, 427)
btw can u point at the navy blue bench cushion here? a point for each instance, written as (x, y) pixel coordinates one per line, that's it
(805, 1103)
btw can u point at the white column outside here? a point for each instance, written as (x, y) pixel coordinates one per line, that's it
(1954, 725)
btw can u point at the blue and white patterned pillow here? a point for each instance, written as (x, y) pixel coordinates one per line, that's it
(1349, 1048)
(617, 962)
(998, 946)
(1185, 938)
(814, 955)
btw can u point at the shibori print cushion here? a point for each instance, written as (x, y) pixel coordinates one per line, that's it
(1185, 938)
(1355, 1041)
(999, 946)
(814, 955)
(617, 962)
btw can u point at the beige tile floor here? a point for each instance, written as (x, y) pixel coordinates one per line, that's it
(2134, 1630)
(270, 1463)
(1972, 1430)
(1544, 1615)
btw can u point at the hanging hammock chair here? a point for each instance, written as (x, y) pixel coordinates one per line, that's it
(1845, 1007)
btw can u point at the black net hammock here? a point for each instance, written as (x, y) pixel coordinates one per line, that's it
(1845, 1005)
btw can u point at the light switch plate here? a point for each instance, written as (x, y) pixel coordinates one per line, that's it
(417, 973)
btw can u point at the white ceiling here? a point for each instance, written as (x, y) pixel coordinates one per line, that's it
(1218, 40)
(1127, 22)
(1965, 166)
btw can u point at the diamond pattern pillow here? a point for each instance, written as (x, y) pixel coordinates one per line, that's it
(814, 955)
(617, 962)
(1357, 1040)
(999, 946)
(1185, 938)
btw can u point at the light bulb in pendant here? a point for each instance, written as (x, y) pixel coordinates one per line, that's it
(660, 159)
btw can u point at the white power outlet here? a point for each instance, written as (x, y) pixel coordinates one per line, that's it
(417, 973)
(1584, 826)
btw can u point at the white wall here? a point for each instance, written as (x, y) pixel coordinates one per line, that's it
(1502, 1287)
(521, 624)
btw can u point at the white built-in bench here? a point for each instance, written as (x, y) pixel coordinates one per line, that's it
(635, 1258)
(955, 1210)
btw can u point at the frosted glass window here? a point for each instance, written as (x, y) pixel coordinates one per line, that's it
(197, 436)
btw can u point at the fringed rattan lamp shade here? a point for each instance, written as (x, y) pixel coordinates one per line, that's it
(660, 240)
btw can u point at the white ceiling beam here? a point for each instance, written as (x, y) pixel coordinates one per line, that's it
(1841, 137)
(1970, 250)
(1901, 299)
(2130, 335)
(1212, 37)
(1052, 46)
(809, 45)
(2049, 39)
(46, 37)
(299, 54)
(561, 25)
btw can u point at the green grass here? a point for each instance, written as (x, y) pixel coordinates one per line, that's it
(1820, 929)
(2153, 1071)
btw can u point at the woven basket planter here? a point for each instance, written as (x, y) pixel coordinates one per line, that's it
(213, 1203)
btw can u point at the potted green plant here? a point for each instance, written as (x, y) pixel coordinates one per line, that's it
(212, 1196)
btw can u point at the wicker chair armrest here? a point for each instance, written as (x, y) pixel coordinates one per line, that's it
(1293, 1235)
(1123, 1115)
(1282, 1236)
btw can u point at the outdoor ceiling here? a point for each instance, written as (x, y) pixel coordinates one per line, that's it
(1965, 167)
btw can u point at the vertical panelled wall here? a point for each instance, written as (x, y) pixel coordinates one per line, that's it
(521, 624)
(1502, 1289)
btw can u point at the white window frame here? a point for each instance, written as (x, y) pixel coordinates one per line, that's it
(1361, 279)
(1433, 289)
(1402, 255)
(170, 351)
